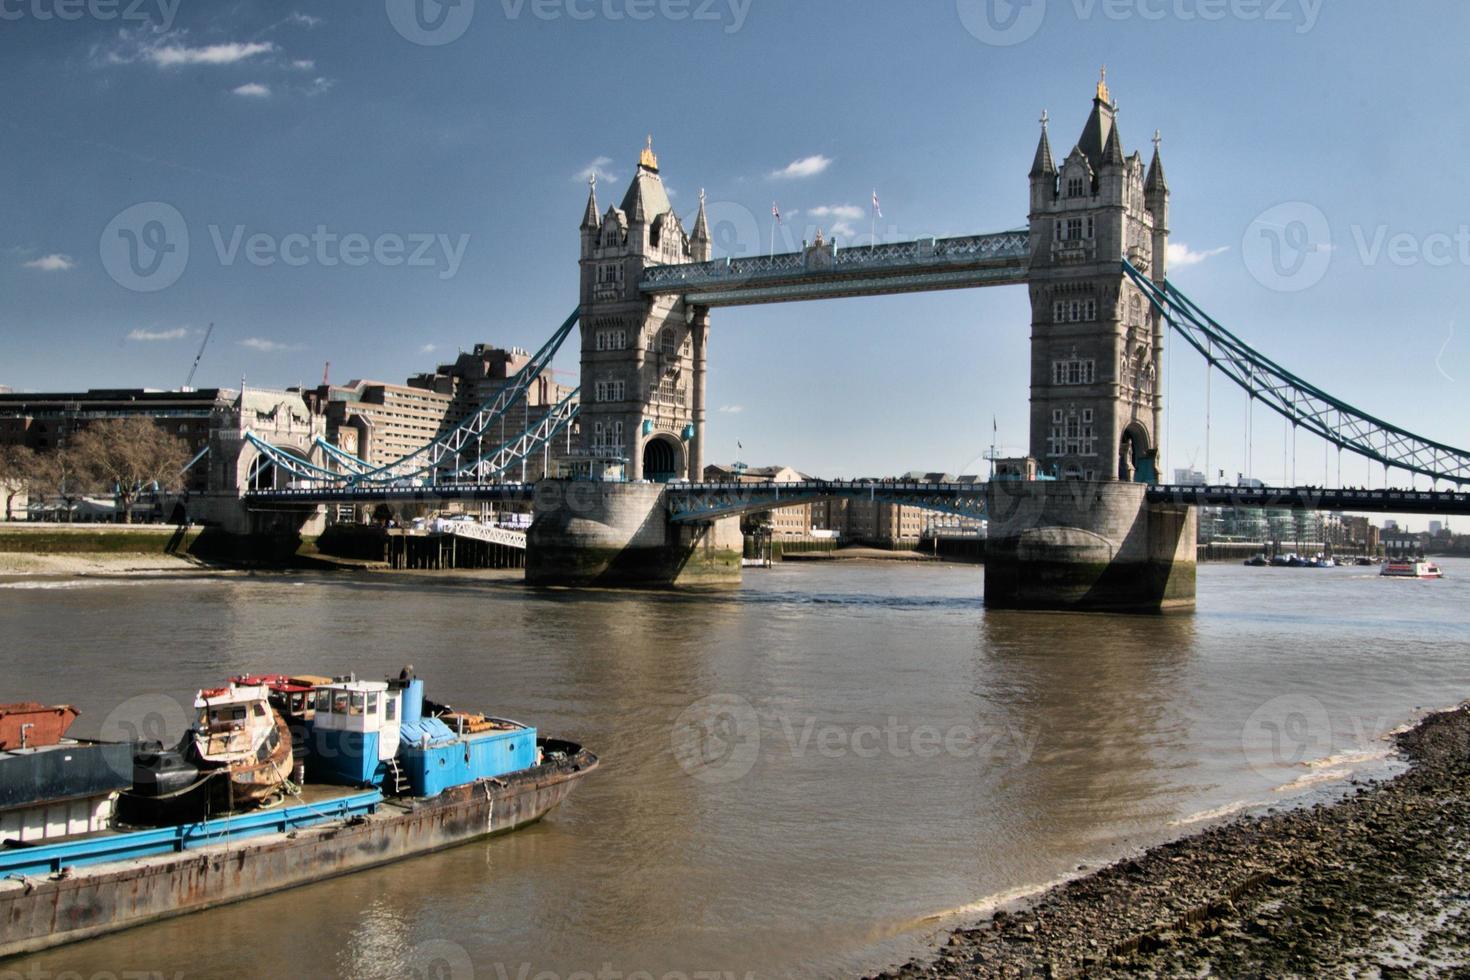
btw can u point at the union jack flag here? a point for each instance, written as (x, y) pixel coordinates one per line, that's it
(775, 212)
(877, 208)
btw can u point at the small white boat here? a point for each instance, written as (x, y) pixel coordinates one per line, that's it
(1411, 569)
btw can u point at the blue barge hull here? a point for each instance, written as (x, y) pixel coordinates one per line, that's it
(38, 911)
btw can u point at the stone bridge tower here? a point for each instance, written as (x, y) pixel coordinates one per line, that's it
(643, 358)
(1096, 342)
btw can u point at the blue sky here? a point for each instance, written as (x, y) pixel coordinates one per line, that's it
(252, 118)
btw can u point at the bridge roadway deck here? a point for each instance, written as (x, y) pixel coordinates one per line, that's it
(828, 272)
(706, 501)
(1391, 501)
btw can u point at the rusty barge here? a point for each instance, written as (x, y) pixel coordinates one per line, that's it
(393, 780)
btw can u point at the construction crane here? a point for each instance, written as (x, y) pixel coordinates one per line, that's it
(189, 381)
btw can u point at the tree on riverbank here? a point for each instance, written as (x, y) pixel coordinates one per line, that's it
(17, 469)
(60, 474)
(127, 456)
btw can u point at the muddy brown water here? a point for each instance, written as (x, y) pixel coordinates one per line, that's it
(805, 777)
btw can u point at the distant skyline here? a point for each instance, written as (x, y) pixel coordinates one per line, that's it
(382, 184)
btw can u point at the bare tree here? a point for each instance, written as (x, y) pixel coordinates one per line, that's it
(17, 471)
(62, 473)
(128, 456)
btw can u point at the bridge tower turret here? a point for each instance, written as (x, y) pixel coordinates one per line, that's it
(1096, 347)
(642, 357)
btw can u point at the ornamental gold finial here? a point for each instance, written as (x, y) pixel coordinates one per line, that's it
(648, 159)
(1045, 118)
(1102, 84)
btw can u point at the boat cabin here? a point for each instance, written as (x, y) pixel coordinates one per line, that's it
(291, 696)
(233, 722)
(52, 786)
(354, 730)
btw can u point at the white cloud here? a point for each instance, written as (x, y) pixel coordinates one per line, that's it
(428, 348)
(1182, 256)
(805, 167)
(304, 20)
(303, 64)
(55, 262)
(253, 90)
(320, 86)
(597, 168)
(843, 230)
(267, 346)
(178, 333)
(732, 409)
(175, 55)
(842, 212)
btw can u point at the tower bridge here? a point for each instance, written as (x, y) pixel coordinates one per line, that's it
(1099, 533)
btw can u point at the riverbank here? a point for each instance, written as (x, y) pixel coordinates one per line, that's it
(1377, 883)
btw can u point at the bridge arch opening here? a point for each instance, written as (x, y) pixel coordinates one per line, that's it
(265, 474)
(663, 459)
(1135, 465)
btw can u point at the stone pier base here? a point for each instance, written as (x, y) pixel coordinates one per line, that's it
(1078, 545)
(619, 534)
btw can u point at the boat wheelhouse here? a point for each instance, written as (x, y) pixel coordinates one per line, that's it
(355, 731)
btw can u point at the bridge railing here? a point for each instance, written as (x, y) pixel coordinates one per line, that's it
(895, 256)
(1300, 402)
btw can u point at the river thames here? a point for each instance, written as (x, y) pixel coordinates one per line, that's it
(804, 777)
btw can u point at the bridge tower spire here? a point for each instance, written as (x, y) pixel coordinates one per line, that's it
(642, 357)
(1096, 341)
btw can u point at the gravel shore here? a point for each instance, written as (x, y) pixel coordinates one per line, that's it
(102, 563)
(1374, 884)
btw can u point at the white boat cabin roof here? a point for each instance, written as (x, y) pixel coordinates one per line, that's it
(233, 694)
(343, 684)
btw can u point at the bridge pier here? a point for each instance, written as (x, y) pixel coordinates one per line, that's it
(1087, 545)
(619, 534)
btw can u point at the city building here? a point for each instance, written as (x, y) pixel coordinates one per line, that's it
(378, 421)
(45, 421)
(382, 422)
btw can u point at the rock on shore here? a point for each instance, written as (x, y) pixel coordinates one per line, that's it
(1375, 884)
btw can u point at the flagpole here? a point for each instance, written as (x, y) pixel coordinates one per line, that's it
(873, 221)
